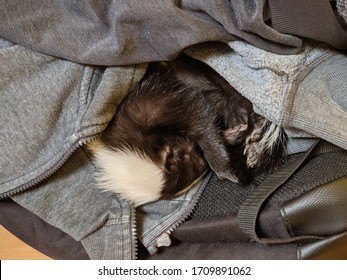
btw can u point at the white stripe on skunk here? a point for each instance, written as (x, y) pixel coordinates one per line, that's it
(127, 172)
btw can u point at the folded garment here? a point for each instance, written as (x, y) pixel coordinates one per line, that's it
(303, 92)
(129, 31)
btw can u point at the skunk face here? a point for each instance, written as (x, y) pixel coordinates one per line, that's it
(180, 160)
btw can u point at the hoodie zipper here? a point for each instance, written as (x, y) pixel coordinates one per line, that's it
(61, 162)
(164, 239)
(134, 245)
(50, 172)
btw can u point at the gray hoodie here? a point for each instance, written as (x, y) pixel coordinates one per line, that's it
(50, 108)
(127, 32)
(305, 93)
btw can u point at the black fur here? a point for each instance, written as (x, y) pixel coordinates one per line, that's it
(187, 119)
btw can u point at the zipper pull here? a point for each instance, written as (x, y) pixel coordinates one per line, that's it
(163, 240)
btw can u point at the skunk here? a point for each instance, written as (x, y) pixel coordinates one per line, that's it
(181, 120)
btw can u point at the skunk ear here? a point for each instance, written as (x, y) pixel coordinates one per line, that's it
(127, 172)
(164, 156)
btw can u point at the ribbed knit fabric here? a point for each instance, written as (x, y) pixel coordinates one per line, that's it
(222, 198)
(314, 19)
(341, 6)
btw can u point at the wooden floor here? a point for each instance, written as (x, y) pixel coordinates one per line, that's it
(11, 248)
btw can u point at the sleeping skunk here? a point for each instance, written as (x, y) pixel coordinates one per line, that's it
(181, 120)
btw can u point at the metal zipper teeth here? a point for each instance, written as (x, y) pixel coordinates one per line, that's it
(134, 245)
(192, 207)
(80, 143)
(50, 172)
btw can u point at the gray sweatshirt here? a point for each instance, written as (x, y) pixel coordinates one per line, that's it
(50, 108)
(127, 32)
(305, 93)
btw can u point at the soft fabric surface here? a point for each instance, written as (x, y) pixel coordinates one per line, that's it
(130, 31)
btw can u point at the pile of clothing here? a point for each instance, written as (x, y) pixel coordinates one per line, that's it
(65, 66)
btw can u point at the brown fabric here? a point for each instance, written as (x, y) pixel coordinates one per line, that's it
(321, 211)
(220, 238)
(314, 19)
(332, 248)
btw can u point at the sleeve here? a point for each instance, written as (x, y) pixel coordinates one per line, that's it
(125, 32)
(109, 33)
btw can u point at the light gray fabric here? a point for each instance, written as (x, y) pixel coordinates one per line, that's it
(48, 106)
(163, 216)
(341, 6)
(124, 32)
(70, 201)
(319, 103)
(49, 109)
(304, 93)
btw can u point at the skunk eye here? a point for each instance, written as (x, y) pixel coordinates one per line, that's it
(171, 160)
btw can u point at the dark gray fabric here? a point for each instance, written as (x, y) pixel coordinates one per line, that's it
(38, 234)
(212, 231)
(314, 19)
(229, 196)
(220, 237)
(130, 31)
(319, 170)
(215, 238)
